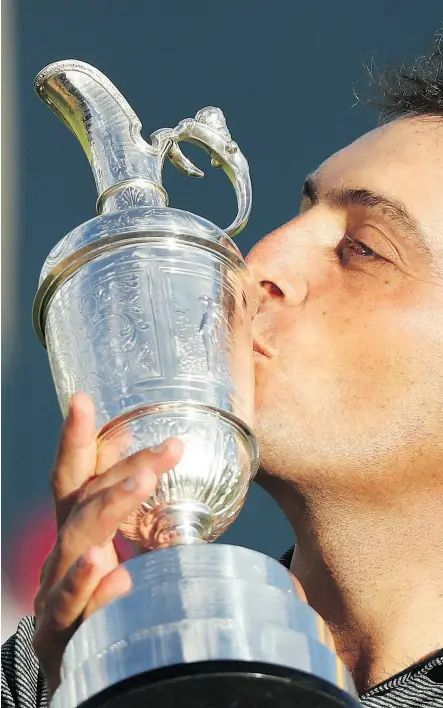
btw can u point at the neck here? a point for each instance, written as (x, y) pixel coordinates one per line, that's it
(375, 575)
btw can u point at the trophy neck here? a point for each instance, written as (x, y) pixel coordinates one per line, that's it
(131, 193)
(127, 170)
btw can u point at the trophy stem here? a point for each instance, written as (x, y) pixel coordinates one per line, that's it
(202, 495)
(182, 523)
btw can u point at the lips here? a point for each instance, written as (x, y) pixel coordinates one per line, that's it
(262, 349)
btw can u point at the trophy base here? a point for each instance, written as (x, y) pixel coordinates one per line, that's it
(223, 684)
(205, 625)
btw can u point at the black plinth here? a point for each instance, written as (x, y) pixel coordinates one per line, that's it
(223, 684)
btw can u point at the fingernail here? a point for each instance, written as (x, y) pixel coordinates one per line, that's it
(130, 483)
(161, 447)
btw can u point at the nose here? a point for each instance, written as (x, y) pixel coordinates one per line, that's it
(276, 277)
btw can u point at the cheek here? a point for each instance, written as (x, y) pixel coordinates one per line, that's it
(364, 355)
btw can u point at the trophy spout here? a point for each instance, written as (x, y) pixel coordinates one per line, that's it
(127, 170)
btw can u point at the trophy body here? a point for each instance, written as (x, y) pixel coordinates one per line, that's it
(154, 324)
(148, 309)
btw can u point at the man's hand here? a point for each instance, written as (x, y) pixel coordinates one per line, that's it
(93, 495)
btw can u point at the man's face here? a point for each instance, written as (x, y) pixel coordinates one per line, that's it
(351, 318)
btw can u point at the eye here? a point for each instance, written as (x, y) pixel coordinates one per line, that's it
(351, 248)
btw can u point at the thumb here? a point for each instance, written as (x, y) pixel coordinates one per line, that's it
(76, 457)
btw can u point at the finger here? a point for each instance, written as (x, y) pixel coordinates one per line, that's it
(159, 459)
(64, 605)
(115, 584)
(114, 448)
(69, 597)
(96, 520)
(76, 456)
(51, 573)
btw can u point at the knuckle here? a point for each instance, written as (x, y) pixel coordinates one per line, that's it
(114, 503)
(65, 540)
(128, 465)
(39, 602)
(46, 567)
(57, 604)
(86, 490)
(110, 504)
(69, 585)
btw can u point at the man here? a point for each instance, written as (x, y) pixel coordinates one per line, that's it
(349, 394)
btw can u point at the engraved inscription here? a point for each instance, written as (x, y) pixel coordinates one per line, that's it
(211, 331)
(200, 325)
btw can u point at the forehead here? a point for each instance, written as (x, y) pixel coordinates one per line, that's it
(402, 160)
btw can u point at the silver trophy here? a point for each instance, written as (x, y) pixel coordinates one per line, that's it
(148, 309)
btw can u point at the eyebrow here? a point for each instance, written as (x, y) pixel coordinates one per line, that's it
(393, 209)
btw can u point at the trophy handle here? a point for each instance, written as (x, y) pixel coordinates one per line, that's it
(209, 131)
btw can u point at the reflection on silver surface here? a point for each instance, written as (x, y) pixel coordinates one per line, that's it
(199, 603)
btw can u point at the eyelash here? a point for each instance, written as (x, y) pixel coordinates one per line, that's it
(348, 241)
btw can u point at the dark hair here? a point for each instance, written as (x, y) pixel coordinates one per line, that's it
(416, 90)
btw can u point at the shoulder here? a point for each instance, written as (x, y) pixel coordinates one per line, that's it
(23, 685)
(419, 686)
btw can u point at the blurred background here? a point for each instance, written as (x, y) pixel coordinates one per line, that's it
(286, 75)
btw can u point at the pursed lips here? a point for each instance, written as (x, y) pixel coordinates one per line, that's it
(260, 348)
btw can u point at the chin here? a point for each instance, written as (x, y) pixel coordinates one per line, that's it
(272, 439)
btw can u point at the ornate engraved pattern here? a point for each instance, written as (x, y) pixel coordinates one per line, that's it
(62, 360)
(211, 331)
(144, 325)
(129, 329)
(132, 197)
(101, 331)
